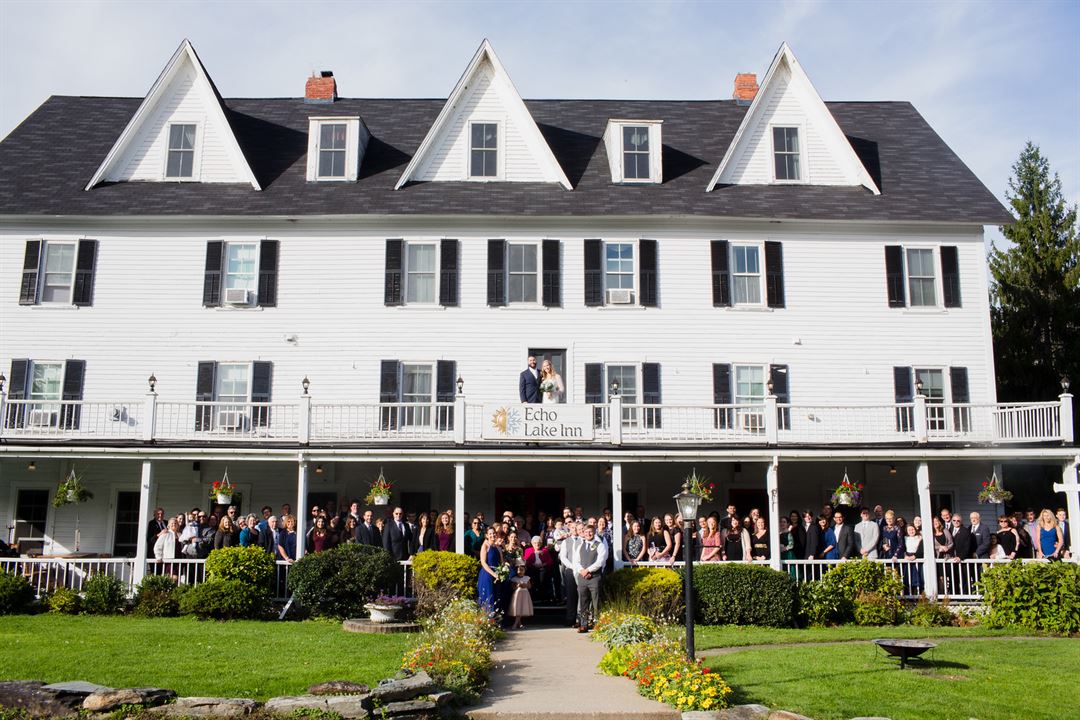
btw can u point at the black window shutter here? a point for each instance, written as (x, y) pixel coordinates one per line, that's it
(905, 417)
(72, 391)
(650, 393)
(721, 383)
(389, 392)
(961, 395)
(894, 275)
(84, 273)
(721, 278)
(774, 274)
(779, 376)
(211, 293)
(496, 275)
(647, 272)
(594, 390)
(204, 392)
(551, 268)
(20, 378)
(261, 379)
(950, 275)
(394, 250)
(448, 273)
(594, 274)
(268, 265)
(28, 291)
(445, 379)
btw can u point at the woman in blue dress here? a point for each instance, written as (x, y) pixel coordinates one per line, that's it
(490, 560)
(1050, 538)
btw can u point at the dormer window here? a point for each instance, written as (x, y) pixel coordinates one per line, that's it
(484, 150)
(633, 148)
(786, 154)
(180, 163)
(335, 148)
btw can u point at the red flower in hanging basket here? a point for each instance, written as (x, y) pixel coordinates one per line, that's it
(860, 486)
(217, 483)
(986, 484)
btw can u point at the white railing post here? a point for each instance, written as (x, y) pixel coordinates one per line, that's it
(922, 433)
(922, 482)
(1065, 422)
(459, 507)
(143, 551)
(305, 419)
(617, 514)
(459, 420)
(3, 402)
(772, 432)
(301, 504)
(615, 419)
(150, 418)
(772, 486)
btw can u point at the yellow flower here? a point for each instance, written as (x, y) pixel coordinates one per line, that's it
(706, 703)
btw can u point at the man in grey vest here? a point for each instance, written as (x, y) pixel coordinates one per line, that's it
(867, 534)
(567, 552)
(589, 561)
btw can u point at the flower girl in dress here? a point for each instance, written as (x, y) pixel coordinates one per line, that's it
(520, 603)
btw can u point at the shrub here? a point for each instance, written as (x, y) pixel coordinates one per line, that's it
(156, 597)
(832, 600)
(1037, 596)
(740, 594)
(876, 609)
(653, 592)
(339, 582)
(64, 601)
(251, 564)
(224, 600)
(16, 594)
(663, 673)
(454, 648)
(440, 577)
(103, 595)
(931, 614)
(620, 629)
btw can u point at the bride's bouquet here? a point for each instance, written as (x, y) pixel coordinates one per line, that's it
(548, 386)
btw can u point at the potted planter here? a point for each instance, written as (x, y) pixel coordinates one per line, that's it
(224, 499)
(383, 613)
(381, 499)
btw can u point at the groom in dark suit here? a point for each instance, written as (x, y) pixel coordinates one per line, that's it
(529, 383)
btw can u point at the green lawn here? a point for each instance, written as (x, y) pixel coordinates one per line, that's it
(983, 680)
(719, 636)
(234, 659)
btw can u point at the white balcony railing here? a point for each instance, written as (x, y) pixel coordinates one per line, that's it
(766, 423)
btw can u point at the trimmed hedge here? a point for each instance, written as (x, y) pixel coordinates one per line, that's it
(64, 601)
(653, 592)
(103, 595)
(441, 577)
(743, 594)
(251, 564)
(224, 600)
(16, 594)
(339, 582)
(1038, 596)
(156, 596)
(834, 599)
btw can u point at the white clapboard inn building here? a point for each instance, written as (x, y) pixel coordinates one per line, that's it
(773, 290)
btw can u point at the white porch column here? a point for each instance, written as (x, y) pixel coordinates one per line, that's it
(922, 482)
(301, 504)
(617, 535)
(1069, 486)
(772, 487)
(1066, 420)
(147, 490)
(459, 508)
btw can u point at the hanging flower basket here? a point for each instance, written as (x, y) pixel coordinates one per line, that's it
(379, 493)
(992, 493)
(221, 491)
(847, 493)
(381, 499)
(700, 486)
(71, 490)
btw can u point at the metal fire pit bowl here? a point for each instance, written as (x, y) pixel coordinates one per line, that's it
(905, 649)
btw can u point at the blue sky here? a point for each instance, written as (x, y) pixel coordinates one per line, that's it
(988, 76)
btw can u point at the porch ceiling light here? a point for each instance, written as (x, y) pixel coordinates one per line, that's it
(318, 469)
(152, 381)
(32, 466)
(306, 383)
(1064, 383)
(460, 385)
(892, 469)
(687, 502)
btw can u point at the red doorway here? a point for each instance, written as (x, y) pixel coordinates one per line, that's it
(527, 502)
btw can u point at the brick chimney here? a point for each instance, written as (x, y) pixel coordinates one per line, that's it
(321, 88)
(746, 88)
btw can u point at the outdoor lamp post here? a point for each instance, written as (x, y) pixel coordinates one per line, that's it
(688, 502)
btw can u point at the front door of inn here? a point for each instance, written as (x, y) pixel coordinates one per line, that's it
(558, 361)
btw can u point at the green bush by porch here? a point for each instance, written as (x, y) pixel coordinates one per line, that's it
(654, 592)
(733, 593)
(16, 594)
(339, 582)
(1038, 596)
(441, 577)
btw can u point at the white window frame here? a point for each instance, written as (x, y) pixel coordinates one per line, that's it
(746, 418)
(356, 138)
(405, 273)
(804, 171)
(760, 247)
(253, 291)
(42, 271)
(196, 151)
(500, 150)
(635, 259)
(629, 414)
(613, 139)
(239, 406)
(344, 151)
(417, 416)
(46, 404)
(537, 275)
(936, 417)
(935, 265)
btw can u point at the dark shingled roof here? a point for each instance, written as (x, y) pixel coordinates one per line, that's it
(46, 162)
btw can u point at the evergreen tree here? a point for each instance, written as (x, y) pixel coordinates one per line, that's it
(1035, 292)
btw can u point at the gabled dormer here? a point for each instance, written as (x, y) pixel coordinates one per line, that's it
(484, 133)
(788, 136)
(634, 151)
(180, 133)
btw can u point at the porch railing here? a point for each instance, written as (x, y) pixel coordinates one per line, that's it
(765, 423)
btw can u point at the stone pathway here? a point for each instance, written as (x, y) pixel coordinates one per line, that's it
(711, 652)
(545, 672)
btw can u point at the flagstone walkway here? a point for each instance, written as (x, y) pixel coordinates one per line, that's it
(543, 672)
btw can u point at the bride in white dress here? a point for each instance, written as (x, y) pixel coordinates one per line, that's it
(553, 382)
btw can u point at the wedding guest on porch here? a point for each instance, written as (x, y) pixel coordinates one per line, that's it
(674, 528)
(249, 534)
(634, 550)
(269, 539)
(823, 546)
(286, 510)
(1008, 539)
(736, 542)
(490, 561)
(981, 537)
(759, 541)
(397, 536)
(604, 535)
(867, 536)
(474, 538)
(843, 537)
(266, 512)
(539, 564)
(1030, 523)
(444, 534)
(318, 538)
(287, 540)
(567, 552)
(348, 531)
(913, 550)
(156, 526)
(589, 560)
(368, 531)
(659, 542)
(520, 605)
(811, 532)
(961, 537)
(1051, 540)
(798, 534)
(943, 542)
(167, 546)
(224, 536)
(208, 526)
(1063, 523)
(787, 539)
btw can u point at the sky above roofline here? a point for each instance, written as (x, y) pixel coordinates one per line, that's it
(988, 77)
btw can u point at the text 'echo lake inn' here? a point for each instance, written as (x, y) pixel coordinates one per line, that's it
(773, 290)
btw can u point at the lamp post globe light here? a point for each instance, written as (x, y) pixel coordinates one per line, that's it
(687, 503)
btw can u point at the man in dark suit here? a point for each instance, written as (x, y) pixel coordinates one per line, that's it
(529, 383)
(154, 528)
(366, 532)
(980, 535)
(961, 537)
(397, 536)
(845, 537)
(813, 544)
(269, 538)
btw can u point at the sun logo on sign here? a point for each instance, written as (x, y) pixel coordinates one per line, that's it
(506, 421)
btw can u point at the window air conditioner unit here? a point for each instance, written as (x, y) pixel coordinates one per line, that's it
(753, 422)
(230, 420)
(620, 296)
(42, 418)
(236, 296)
